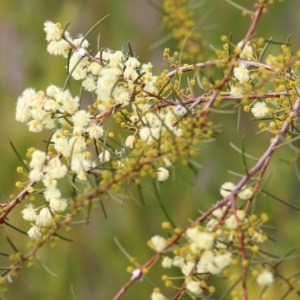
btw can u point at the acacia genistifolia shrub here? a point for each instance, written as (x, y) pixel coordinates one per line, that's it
(161, 121)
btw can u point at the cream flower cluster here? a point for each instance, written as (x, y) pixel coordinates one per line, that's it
(203, 254)
(233, 221)
(243, 77)
(228, 187)
(45, 110)
(48, 170)
(210, 256)
(241, 72)
(113, 78)
(111, 75)
(212, 247)
(116, 79)
(58, 107)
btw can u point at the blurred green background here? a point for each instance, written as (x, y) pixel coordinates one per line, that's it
(92, 265)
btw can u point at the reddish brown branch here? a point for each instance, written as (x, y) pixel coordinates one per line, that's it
(10, 205)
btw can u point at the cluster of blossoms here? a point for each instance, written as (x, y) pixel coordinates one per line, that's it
(228, 187)
(48, 171)
(214, 247)
(242, 79)
(241, 72)
(117, 80)
(246, 81)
